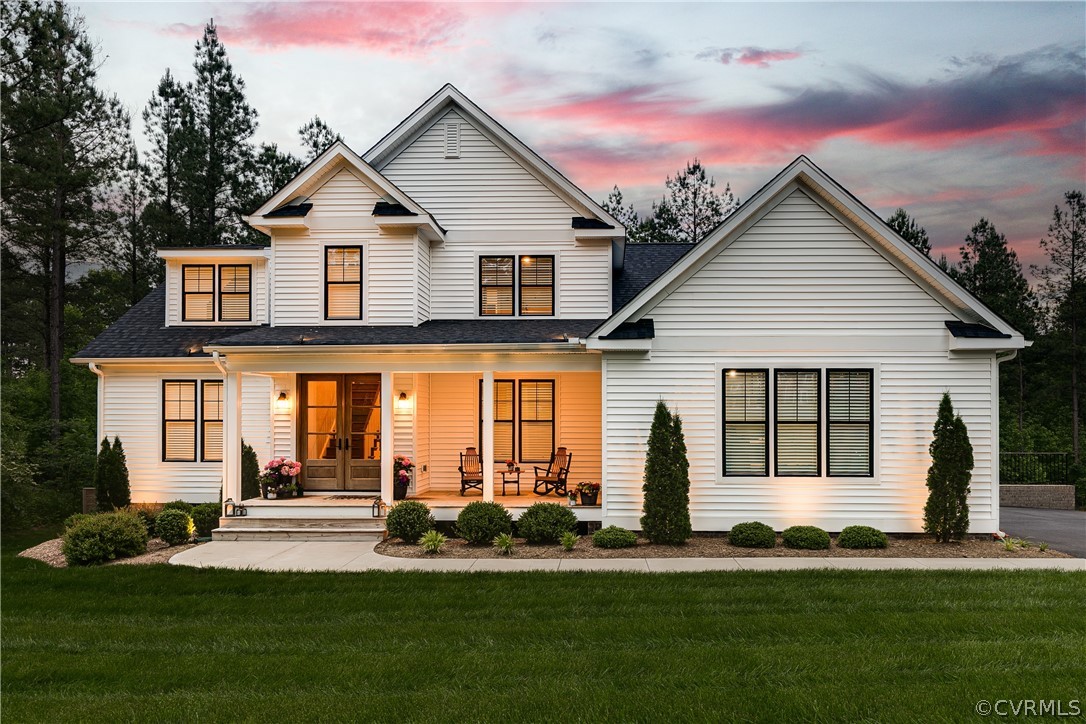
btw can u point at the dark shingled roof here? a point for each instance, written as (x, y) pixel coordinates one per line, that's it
(641, 329)
(440, 331)
(643, 264)
(974, 331)
(141, 332)
(289, 210)
(228, 247)
(580, 222)
(384, 208)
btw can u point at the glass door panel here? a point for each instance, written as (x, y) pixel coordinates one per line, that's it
(320, 419)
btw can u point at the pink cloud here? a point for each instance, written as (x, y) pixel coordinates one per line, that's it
(749, 55)
(386, 27)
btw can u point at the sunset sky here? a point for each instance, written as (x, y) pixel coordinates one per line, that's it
(952, 110)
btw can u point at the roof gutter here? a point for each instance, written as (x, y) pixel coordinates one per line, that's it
(573, 345)
(220, 362)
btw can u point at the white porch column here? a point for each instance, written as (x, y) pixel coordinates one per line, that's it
(231, 436)
(487, 450)
(387, 435)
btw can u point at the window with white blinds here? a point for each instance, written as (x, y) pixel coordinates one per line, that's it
(198, 293)
(796, 398)
(746, 426)
(343, 282)
(211, 406)
(504, 420)
(496, 286)
(235, 292)
(850, 423)
(536, 420)
(179, 421)
(537, 285)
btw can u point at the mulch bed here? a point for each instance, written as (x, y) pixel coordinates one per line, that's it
(718, 547)
(157, 552)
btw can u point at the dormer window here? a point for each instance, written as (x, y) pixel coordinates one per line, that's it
(510, 285)
(232, 285)
(343, 282)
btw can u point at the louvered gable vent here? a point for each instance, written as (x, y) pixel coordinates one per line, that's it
(452, 139)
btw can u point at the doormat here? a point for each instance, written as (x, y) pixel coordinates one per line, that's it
(351, 497)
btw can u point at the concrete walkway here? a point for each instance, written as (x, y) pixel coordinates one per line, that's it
(1064, 530)
(359, 556)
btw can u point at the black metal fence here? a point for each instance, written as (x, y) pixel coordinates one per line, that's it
(1034, 468)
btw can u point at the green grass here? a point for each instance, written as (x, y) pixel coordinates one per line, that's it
(174, 644)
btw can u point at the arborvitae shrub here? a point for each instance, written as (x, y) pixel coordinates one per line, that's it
(614, 537)
(409, 520)
(752, 535)
(546, 522)
(861, 536)
(946, 514)
(807, 537)
(174, 526)
(120, 494)
(481, 522)
(102, 475)
(667, 481)
(250, 473)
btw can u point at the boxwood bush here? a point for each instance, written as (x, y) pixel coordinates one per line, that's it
(808, 537)
(409, 520)
(147, 516)
(104, 537)
(178, 505)
(75, 518)
(546, 522)
(174, 526)
(861, 536)
(614, 537)
(752, 535)
(481, 522)
(205, 518)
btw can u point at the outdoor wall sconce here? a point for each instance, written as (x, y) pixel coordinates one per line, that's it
(282, 403)
(403, 403)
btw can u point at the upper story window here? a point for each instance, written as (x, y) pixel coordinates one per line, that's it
(343, 282)
(199, 291)
(510, 285)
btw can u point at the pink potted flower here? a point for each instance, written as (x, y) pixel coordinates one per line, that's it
(401, 476)
(277, 480)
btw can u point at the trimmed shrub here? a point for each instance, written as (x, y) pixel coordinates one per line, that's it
(614, 537)
(409, 520)
(178, 505)
(807, 537)
(752, 535)
(76, 518)
(667, 481)
(546, 522)
(432, 541)
(250, 473)
(174, 526)
(481, 522)
(946, 514)
(147, 517)
(861, 536)
(205, 518)
(106, 537)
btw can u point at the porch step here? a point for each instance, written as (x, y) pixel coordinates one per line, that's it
(300, 529)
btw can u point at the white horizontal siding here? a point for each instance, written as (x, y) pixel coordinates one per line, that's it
(798, 280)
(256, 415)
(422, 284)
(259, 285)
(283, 421)
(798, 268)
(403, 415)
(484, 188)
(422, 433)
(342, 216)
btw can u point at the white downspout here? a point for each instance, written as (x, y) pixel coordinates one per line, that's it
(101, 401)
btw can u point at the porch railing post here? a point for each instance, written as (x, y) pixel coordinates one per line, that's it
(386, 436)
(231, 456)
(486, 451)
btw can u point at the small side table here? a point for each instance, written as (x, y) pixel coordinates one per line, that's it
(510, 478)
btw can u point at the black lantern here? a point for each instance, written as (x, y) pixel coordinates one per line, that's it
(379, 509)
(229, 508)
(240, 511)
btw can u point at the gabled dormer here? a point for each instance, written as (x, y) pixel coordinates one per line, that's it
(216, 285)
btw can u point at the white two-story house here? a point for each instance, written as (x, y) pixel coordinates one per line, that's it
(449, 289)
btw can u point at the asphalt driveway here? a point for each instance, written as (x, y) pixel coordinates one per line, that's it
(1064, 530)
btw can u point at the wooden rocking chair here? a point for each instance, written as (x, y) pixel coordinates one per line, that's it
(471, 471)
(552, 479)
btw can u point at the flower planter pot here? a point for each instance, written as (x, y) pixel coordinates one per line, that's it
(399, 490)
(589, 498)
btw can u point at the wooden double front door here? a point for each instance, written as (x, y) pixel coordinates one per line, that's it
(339, 431)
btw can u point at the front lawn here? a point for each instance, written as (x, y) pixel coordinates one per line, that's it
(163, 643)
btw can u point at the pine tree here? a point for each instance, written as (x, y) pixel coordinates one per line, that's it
(625, 215)
(661, 226)
(946, 514)
(215, 165)
(62, 147)
(316, 138)
(695, 202)
(667, 482)
(120, 494)
(272, 170)
(169, 123)
(131, 251)
(910, 231)
(102, 476)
